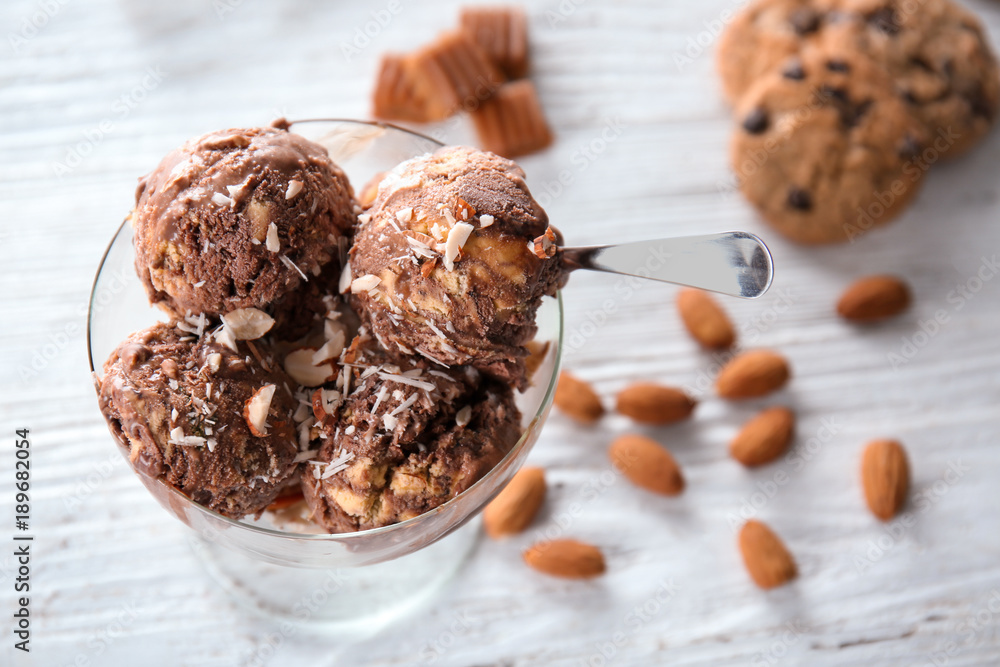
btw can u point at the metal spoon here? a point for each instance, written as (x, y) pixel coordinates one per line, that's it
(733, 263)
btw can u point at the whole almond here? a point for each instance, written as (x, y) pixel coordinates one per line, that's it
(655, 404)
(885, 477)
(514, 508)
(647, 464)
(578, 399)
(753, 374)
(704, 319)
(765, 556)
(763, 438)
(566, 558)
(874, 298)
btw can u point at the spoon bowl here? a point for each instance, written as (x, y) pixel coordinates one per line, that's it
(733, 263)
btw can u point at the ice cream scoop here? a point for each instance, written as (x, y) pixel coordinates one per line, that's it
(407, 438)
(452, 260)
(239, 218)
(212, 422)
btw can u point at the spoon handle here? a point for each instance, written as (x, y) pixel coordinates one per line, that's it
(733, 263)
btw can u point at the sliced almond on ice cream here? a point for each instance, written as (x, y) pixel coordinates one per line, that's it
(457, 237)
(364, 283)
(255, 410)
(248, 323)
(331, 349)
(299, 364)
(345, 278)
(224, 336)
(271, 241)
(325, 402)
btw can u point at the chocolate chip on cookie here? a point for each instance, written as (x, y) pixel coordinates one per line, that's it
(799, 199)
(755, 122)
(829, 163)
(851, 114)
(793, 70)
(805, 20)
(909, 148)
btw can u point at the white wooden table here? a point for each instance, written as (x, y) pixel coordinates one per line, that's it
(106, 88)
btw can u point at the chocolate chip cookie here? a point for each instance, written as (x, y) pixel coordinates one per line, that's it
(940, 62)
(935, 53)
(764, 35)
(824, 149)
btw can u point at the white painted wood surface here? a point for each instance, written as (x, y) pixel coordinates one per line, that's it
(114, 580)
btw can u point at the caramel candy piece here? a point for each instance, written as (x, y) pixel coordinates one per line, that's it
(502, 32)
(511, 123)
(451, 73)
(394, 97)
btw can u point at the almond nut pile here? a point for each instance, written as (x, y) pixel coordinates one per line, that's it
(761, 440)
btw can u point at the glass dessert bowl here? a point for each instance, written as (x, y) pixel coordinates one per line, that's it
(270, 562)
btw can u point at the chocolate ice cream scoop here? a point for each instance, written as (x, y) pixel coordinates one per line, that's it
(213, 423)
(407, 438)
(237, 219)
(452, 259)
